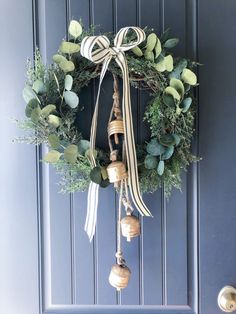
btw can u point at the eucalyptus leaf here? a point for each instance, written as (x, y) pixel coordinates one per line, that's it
(189, 77)
(58, 58)
(169, 63)
(160, 66)
(137, 51)
(151, 42)
(168, 100)
(95, 175)
(104, 173)
(89, 153)
(75, 29)
(185, 104)
(71, 99)
(172, 91)
(161, 57)
(157, 48)
(35, 115)
(68, 82)
(68, 47)
(165, 35)
(150, 162)
(168, 153)
(54, 141)
(83, 146)
(178, 85)
(28, 94)
(52, 157)
(171, 43)
(178, 69)
(104, 183)
(71, 154)
(32, 104)
(177, 139)
(39, 87)
(45, 112)
(161, 167)
(167, 140)
(154, 148)
(67, 66)
(54, 120)
(149, 55)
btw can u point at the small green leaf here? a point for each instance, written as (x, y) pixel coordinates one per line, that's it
(158, 48)
(39, 87)
(67, 66)
(154, 148)
(168, 63)
(54, 141)
(185, 104)
(161, 167)
(71, 99)
(58, 58)
(168, 153)
(75, 29)
(47, 110)
(53, 156)
(54, 120)
(173, 92)
(28, 94)
(182, 64)
(160, 66)
(83, 146)
(68, 47)
(178, 85)
(95, 175)
(177, 139)
(189, 77)
(32, 104)
(71, 154)
(89, 153)
(151, 42)
(104, 173)
(167, 140)
(171, 43)
(168, 100)
(149, 55)
(150, 162)
(68, 82)
(104, 183)
(137, 51)
(165, 35)
(35, 114)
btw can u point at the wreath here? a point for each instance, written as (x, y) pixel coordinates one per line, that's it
(52, 108)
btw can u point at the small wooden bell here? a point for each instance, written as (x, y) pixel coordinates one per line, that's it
(116, 172)
(115, 128)
(130, 227)
(119, 276)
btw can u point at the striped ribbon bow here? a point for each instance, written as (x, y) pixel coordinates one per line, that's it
(97, 49)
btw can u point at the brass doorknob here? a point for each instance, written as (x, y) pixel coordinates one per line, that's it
(227, 299)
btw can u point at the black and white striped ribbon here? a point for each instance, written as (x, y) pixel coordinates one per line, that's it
(97, 49)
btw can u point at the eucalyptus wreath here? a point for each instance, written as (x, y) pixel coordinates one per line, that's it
(52, 95)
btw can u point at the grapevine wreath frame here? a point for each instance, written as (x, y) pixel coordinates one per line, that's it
(52, 93)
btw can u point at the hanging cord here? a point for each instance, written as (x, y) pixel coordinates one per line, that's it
(119, 255)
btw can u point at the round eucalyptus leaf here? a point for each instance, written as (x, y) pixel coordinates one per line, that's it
(35, 115)
(104, 183)
(71, 99)
(90, 153)
(47, 110)
(168, 100)
(154, 148)
(54, 141)
(177, 139)
(32, 104)
(83, 146)
(169, 63)
(185, 104)
(168, 152)
(54, 120)
(67, 66)
(160, 66)
(149, 55)
(39, 87)
(58, 58)
(53, 156)
(173, 92)
(71, 154)
(75, 29)
(151, 42)
(150, 162)
(95, 175)
(178, 85)
(167, 140)
(157, 48)
(68, 47)
(28, 94)
(171, 43)
(178, 69)
(137, 51)
(68, 82)
(161, 167)
(189, 77)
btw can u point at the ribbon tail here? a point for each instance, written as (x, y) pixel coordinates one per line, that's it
(130, 142)
(92, 205)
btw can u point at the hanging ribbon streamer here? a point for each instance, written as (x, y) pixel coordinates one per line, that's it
(103, 53)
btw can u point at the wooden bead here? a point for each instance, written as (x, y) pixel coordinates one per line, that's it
(119, 276)
(130, 227)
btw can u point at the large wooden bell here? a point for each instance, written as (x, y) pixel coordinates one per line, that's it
(116, 172)
(130, 227)
(115, 128)
(119, 276)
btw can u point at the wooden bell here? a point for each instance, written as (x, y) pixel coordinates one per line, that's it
(116, 172)
(115, 128)
(130, 227)
(119, 276)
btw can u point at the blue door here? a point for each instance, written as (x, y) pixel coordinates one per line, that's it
(187, 252)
